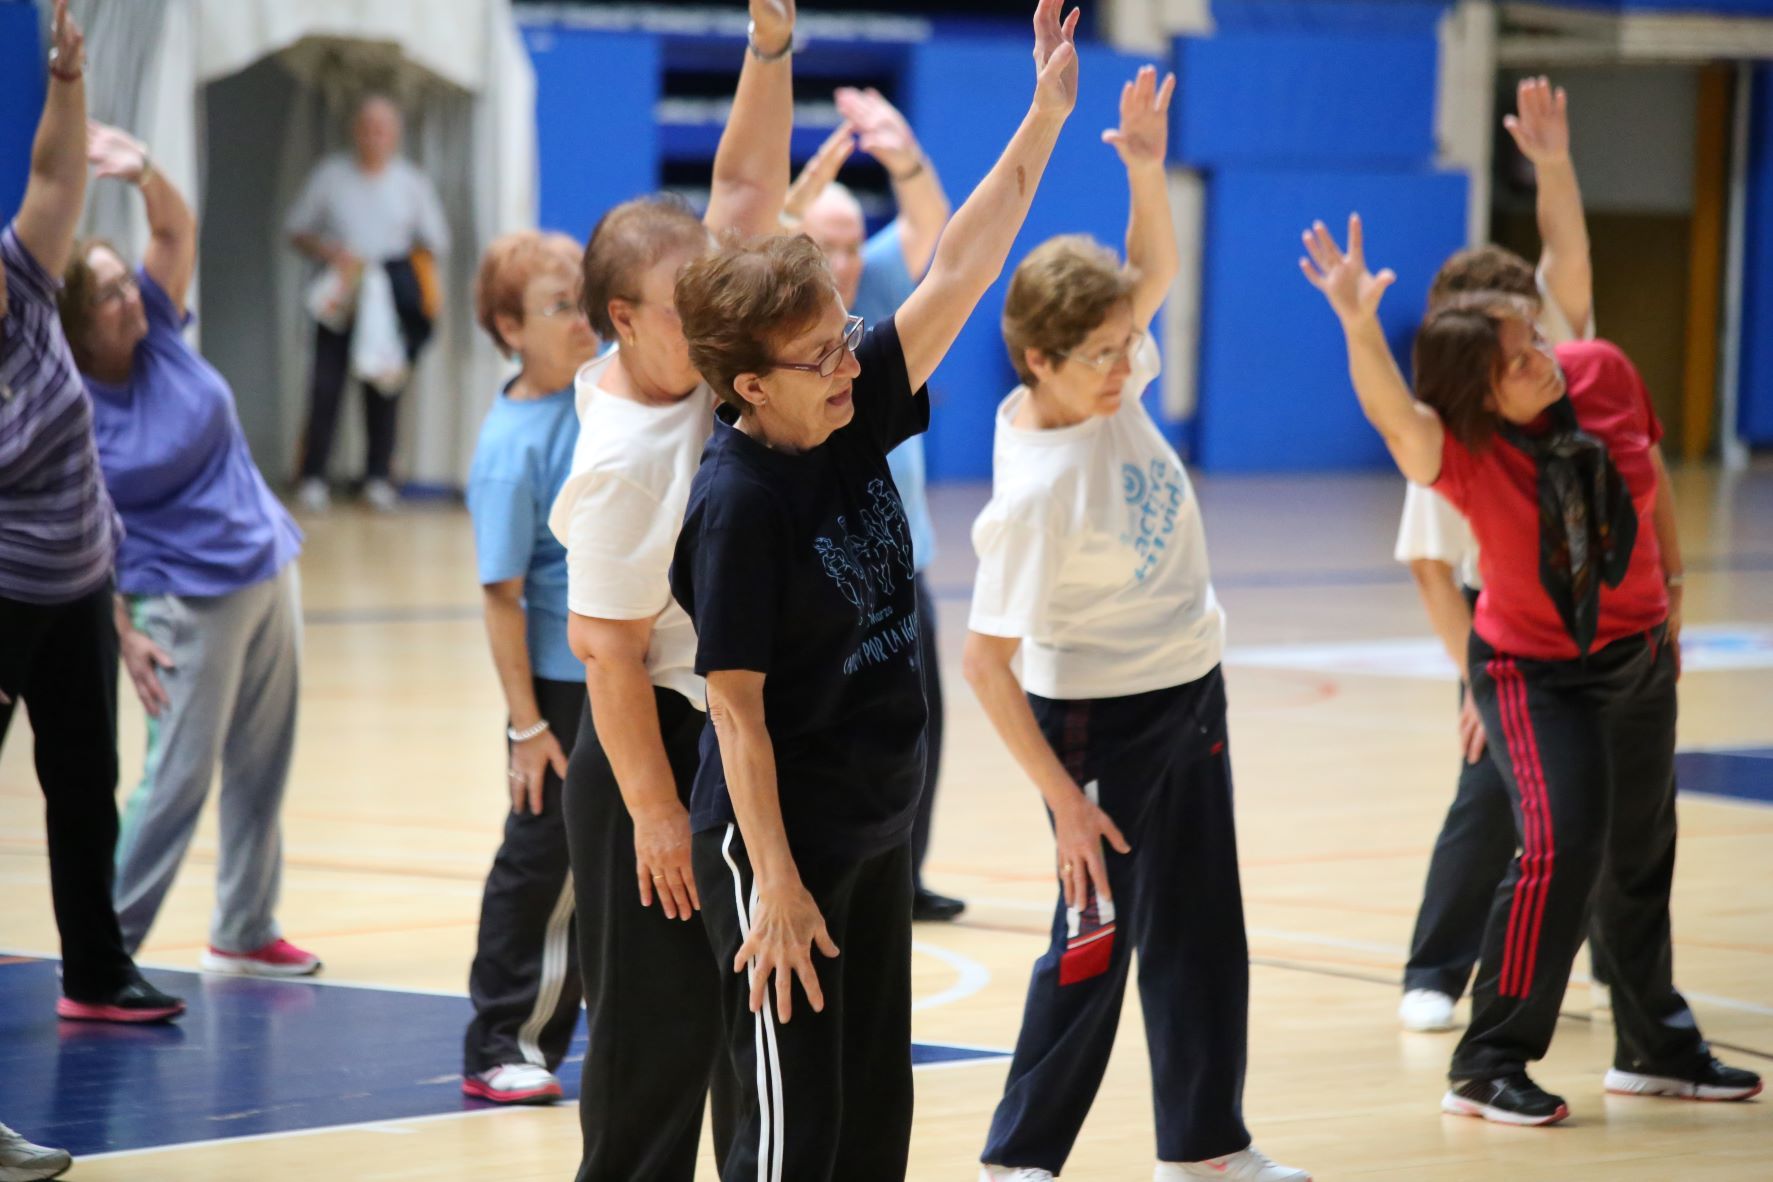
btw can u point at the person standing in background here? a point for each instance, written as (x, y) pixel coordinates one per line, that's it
(58, 540)
(874, 276)
(525, 982)
(369, 207)
(208, 608)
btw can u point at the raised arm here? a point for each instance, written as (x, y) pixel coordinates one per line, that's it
(972, 251)
(917, 190)
(55, 193)
(751, 165)
(1541, 129)
(1412, 431)
(171, 257)
(1142, 140)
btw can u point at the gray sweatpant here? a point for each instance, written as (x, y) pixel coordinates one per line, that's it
(233, 691)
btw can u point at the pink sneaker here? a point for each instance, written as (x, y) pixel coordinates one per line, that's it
(279, 958)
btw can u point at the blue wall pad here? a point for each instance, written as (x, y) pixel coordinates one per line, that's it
(597, 141)
(251, 1057)
(21, 98)
(1678, 7)
(1744, 774)
(1274, 390)
(1754, 411)
(1083, 191)
(1288, 98)
(1397, 16)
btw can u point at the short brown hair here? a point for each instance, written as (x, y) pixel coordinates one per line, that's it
(1483, 268)
(742, 303)
(506, 269)
(627, 240)
(1060, 294)
(1458, 359)
(79, 287)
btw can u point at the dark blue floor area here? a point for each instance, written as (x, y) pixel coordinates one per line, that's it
(250, 1057)
(1745, 773)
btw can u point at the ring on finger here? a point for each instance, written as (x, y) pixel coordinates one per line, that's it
(1065, 869)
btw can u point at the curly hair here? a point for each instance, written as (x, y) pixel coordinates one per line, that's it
(626, 241)
(1061, 293)
(742, 303)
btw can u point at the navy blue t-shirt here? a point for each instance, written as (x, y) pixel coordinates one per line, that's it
(799, 566)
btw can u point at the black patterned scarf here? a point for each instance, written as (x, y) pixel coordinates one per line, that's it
(1587, 522)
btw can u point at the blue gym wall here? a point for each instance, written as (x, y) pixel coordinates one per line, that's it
(21, 97)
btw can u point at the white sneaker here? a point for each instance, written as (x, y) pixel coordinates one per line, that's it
(381, 496)
(1246, 1165)
(21, 1161)
(312, 495)
(990, 1173)
(1600, 996)
(513, 1083)
(1425, 1010)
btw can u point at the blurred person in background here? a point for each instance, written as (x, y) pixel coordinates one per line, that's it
(208, 610)
(58, 540)
(525, 982)
(370, 207)
(874, 276)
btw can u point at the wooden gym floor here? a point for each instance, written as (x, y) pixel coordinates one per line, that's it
(1344, 761)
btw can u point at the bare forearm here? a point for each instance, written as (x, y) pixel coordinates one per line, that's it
(749, 760)
(1151, 238)
(1410, 431)
(1663, 518)
(169, 217)
(507, 634)
(1563, 230)
(1005, 704)
(751, 163)
(1448, 613)
(626, 717)
(56, 190)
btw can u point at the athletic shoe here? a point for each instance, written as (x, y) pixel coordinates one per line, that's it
(1246, 1165)
(279, 958)
(929, 907)
(1511, 1100)
(1707, 1079)
(137, 1001)
(1425, 1010)
(1600, 997)
(21, 1161)
(312, 496)
(381, 496)
(990, 1173)
(513, 1083)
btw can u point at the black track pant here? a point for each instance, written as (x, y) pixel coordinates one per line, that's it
(332, 373)
(525, 979)
(652, 995)
(1586, 749)
(931, 668)
(827, 1095)
(1159, 766)
(60, 660)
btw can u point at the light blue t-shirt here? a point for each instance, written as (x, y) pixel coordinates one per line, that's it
(885, 284)
(523, 456)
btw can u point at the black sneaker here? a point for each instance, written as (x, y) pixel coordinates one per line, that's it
(137, 1001)
(1706, 1079)
(929, 907)
(1510, 1100)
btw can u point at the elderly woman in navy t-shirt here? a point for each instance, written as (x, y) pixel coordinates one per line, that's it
(208, 609)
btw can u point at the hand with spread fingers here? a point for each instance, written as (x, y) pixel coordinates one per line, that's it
(1078, 833)
(785, 927)
(1055, 57)
(1144, 132)
(881, 130)
(819, 171)
(114, 153)
(1353, 291)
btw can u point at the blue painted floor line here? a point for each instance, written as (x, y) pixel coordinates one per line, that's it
(251, 1058)
(1741, 773)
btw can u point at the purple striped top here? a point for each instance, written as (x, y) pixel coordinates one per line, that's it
(58, 531)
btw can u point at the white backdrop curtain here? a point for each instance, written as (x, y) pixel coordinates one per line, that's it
(238, 99)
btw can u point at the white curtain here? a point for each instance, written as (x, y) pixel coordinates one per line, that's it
(239, 98)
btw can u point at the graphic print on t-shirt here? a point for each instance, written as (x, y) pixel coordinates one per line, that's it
(869, 565)
(1154, 497)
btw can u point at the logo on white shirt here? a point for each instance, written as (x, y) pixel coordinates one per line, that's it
(1154, 499)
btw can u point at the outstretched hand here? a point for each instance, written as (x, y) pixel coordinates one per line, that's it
(115, 153)
(819, 171)
(1055, 57)
(773, 24)
(67, 43)
(1541, 123)
(882, 131)
(1353, 291)
(1144, 131)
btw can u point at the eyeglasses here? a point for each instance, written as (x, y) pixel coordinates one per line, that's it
(561, 308)
(828, 362)
(1107, 359)
(117, 289)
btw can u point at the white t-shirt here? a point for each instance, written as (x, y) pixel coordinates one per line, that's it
(619, 513)
(1093, 554)
(377, 216)
(1432, 528)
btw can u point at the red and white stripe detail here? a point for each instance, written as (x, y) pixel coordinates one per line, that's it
(1526, 914)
